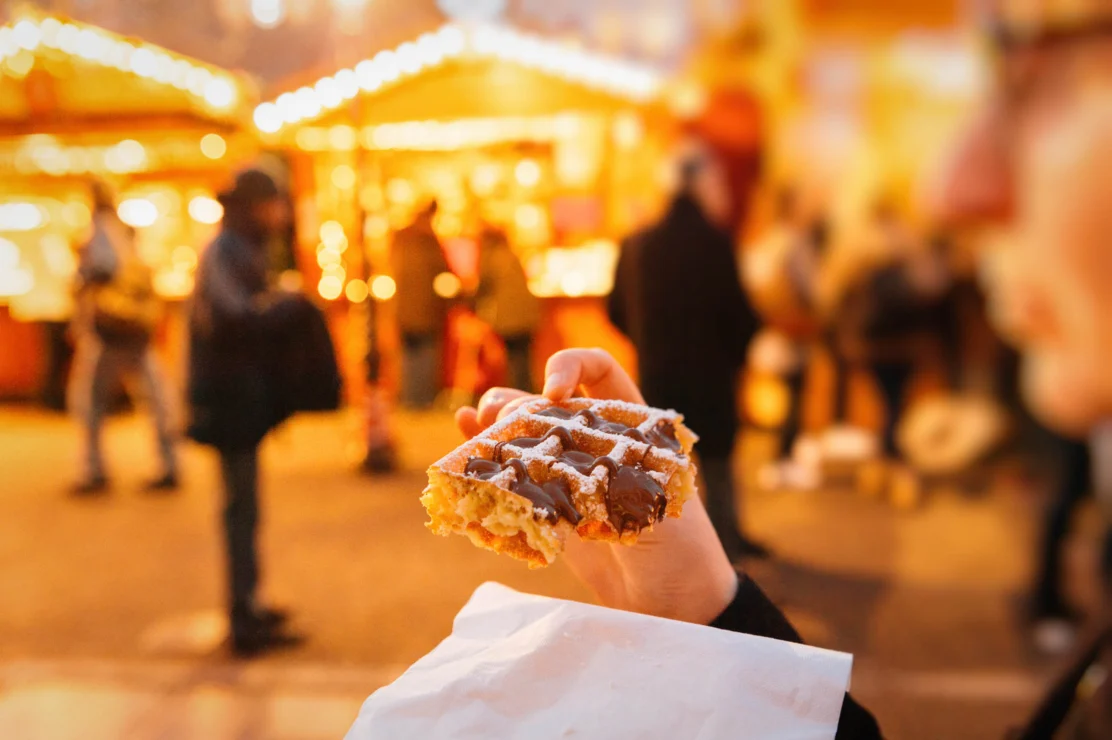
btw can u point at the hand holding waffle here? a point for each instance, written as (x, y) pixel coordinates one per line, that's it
(676, 569)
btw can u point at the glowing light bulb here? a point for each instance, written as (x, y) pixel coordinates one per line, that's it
(220, 93)
(197, 80)
(138, 212)
(356, 291)
(20, 217)
(328, 93)
(287, 107)
(268, 118)
(347, 83)
(213, 146)
(268, 13)
(527, 173)
(9, 255)
(306, 104)
(205, 210)
(368, 76)
(332, 235)
(446, 285)
(383, 287)
(328, 257)
(387, 66)
(127, 156)
(27, 35)
(330, 287)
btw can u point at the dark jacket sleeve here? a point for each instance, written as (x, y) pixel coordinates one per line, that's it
(616, 303)
(752, 613)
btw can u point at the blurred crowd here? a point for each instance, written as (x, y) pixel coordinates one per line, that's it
(889, 295)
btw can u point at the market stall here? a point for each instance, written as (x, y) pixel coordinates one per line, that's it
(558, 147)
(77, 104)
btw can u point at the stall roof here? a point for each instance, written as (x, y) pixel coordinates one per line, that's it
(465, 71)
(59, 76)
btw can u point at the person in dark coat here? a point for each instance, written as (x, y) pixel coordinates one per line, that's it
(235, 329)
(678, 298)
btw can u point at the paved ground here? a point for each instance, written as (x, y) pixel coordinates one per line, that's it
(110, 624)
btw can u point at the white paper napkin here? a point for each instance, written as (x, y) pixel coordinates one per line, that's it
(531, 667)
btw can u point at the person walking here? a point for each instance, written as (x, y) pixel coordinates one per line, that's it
(505, 303)
(417, 259)
(678, 298)
(118, 313)
(235, 323)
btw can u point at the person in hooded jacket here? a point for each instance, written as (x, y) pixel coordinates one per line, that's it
(236, 323)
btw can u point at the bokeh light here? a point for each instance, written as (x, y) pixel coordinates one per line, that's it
(383, 287)
(214, 146)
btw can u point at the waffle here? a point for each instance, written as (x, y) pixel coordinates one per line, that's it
(605, 469)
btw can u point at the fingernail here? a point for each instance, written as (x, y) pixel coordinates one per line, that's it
(553, 382)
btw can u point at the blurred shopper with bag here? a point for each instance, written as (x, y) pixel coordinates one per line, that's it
(504, 302)
(678, 298)
(884, 319)
(117, 316)
(257, 356)
(780, 271)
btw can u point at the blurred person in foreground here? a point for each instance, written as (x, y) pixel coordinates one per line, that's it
(118, 313)
(417, 258)
(503, 301)
(235, 323)
(1039, 161)
(678, 297)
(1042, 155)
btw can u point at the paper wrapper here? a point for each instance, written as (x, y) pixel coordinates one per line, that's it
(521, 666)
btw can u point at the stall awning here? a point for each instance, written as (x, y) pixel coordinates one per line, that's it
(59, 77)
(463, 72)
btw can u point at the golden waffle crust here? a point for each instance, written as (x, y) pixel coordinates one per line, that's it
(606, 469)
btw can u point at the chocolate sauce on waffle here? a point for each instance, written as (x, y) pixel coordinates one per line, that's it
(552, 497)
(633, 499)
(661, 435)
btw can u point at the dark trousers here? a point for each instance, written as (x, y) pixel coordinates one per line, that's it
(792, 426)
(893, 379)
(240, 470)
(1074, 485)
(519, 369)
(718, 479)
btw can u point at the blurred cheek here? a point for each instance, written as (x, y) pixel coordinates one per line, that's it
(1064, 394)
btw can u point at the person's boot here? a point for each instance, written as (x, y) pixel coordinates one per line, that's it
(262, 633)
(95, 486)
(168, 483)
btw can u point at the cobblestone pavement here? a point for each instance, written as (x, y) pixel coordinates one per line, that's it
(110, 620)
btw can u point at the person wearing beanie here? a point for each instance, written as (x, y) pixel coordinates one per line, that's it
(234, 325)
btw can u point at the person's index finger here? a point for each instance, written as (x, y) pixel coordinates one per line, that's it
(595, 370)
